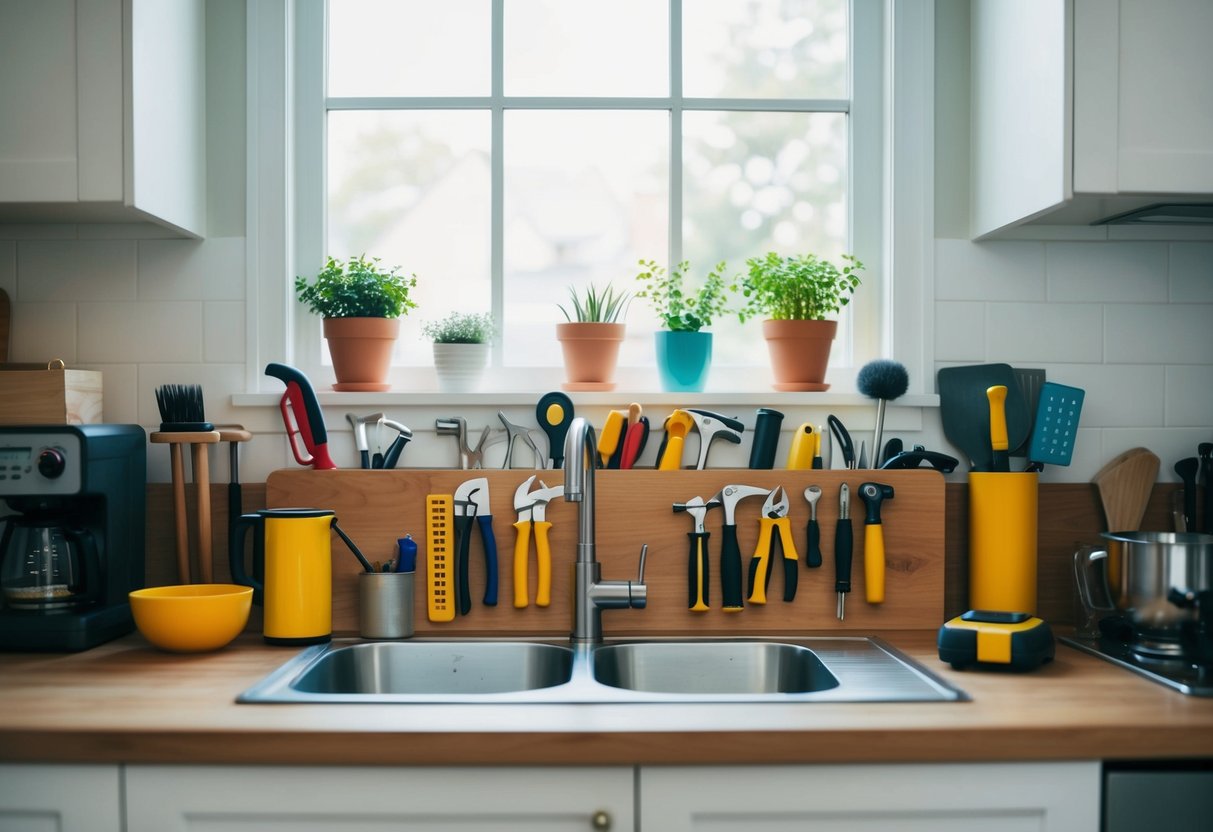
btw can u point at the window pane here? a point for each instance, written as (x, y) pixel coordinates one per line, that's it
(412, 188)
(586, 197)
(557, 47)
(764, 48)
(759, 182)
(409, 47)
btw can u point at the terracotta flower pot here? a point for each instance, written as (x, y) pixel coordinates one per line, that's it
(800, 352)
(361, 349)
(591, 351)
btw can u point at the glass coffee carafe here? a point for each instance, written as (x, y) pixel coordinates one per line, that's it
(47, 565)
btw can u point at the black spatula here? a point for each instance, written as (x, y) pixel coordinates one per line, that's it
(965, 410)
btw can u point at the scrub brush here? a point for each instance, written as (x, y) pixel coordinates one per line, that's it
(181, 409)
(884, 381)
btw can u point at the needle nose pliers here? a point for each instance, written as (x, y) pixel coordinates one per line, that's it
(774, 517)
(532, 510)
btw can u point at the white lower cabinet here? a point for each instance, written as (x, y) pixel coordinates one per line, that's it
(445, 799)
(993, 797)
(60, 798)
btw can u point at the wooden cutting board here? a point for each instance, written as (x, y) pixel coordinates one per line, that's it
(1124, 487)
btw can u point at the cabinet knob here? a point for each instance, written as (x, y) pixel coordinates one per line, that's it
(601, 820)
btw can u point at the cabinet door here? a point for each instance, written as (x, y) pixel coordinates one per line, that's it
(450, 799)
(1041, 797)
(59, 798)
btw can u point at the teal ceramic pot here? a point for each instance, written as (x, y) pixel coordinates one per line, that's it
(683, 360)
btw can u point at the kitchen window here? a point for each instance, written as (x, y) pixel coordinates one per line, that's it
(504, 150)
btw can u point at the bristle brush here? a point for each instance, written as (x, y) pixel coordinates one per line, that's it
(883, 380)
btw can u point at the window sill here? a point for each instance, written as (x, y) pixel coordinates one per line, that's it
(613, 399)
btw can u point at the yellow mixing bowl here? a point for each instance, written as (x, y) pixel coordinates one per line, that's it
(191, 618)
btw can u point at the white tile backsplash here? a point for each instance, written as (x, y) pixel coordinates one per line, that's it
(155, 331)
(1024, 332)
(76, 270)
(1106, 272)
(960, 327)
(42, 332)
(210, 269)
(989, 271)
(223, 332)
(1159, 333)
(1189, 400)
(1191, 273)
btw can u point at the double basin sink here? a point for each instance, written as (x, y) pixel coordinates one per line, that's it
(843, 669)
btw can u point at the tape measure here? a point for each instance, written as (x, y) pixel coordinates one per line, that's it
(440, 545)
(988, 639)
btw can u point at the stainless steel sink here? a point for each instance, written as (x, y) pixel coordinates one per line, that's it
(844, 669)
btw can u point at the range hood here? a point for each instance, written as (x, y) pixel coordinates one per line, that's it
(1165, 213)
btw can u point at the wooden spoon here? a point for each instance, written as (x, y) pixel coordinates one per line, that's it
(1124, 487)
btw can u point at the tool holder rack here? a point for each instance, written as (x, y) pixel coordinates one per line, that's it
(632, 508)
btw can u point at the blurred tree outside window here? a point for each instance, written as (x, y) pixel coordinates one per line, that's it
(588, 151)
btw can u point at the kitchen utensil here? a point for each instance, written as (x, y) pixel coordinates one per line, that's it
(1187, 469)
(873, 494)
(5, 318)
(303, 418)
(611, 437)
(1124, 485)
(891, 449)
(294, 544)
(184, 423)
(843, 542)
(964, 409)
(636, 437)
(999, 444)
(1002, 541)
(767, 424)
(90, 482)
(385, 604)
(1006, 640)
(1056, 425)
(843, 438)
(191, 618)
(1133, 573)
(1030, 383)
(555, 413)
(884, 381)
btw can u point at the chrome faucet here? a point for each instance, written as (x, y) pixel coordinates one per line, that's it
(592, 595)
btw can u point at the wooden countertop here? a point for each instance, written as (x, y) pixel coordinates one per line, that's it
(127, 702)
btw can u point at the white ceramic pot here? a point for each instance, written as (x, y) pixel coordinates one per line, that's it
(460, 366)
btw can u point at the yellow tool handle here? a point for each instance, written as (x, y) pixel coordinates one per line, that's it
(873, 562)
(440, 541)
(671, 460)
(699, 568)
(761, 562)
(521, 545)
(611, 434)
(803, 449)
(997, 396)
(543, 560)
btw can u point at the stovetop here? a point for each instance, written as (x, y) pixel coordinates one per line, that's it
(1175, 672)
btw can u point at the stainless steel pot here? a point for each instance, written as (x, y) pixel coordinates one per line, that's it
(1134, 572)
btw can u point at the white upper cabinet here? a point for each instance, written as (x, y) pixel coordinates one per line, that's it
(103, 112)
(1086, 109)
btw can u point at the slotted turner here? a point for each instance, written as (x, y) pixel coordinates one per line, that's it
(1056, 425)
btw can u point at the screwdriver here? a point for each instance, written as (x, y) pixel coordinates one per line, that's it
(842, 550)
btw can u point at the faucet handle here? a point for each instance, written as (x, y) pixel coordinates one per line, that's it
(644, 551)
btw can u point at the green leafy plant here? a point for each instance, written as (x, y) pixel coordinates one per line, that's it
(594, 306)
(797, 288)
(460, 328)
(359, 288)
(679, 308)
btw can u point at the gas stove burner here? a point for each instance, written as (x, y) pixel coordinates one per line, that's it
(1156, 648)
(1172, 669)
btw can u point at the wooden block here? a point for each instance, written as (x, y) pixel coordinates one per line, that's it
(30, 394)
(635, 507)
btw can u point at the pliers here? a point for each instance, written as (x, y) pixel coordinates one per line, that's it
(774, 516)
(532, 510)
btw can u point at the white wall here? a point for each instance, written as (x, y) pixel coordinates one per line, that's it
(1128, 322)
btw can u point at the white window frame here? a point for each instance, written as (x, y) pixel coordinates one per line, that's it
(285, 174)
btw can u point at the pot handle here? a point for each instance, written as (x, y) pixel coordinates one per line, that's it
(1094, 598)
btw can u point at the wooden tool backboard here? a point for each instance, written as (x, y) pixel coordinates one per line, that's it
(632, 508)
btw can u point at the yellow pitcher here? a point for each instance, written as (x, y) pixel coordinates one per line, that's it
(292, 548)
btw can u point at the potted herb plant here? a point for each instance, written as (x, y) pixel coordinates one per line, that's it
(794, 295)
(684, 350)
(361, 305)
(591, 336)
(461, 349)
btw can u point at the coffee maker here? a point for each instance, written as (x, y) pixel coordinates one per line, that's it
(72, 543)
